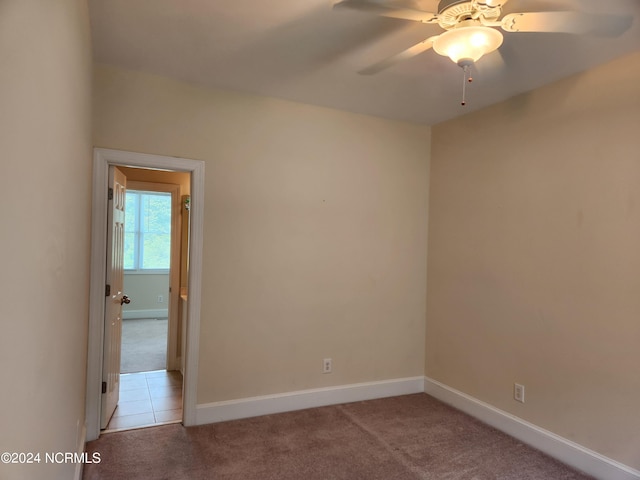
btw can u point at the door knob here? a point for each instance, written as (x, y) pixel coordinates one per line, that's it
(125, 299)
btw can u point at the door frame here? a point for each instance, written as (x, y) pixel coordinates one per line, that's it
(102, 159)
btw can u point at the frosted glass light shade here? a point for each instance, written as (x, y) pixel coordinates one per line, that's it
(464, 44)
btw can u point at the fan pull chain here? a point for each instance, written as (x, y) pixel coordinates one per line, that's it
(466, 77)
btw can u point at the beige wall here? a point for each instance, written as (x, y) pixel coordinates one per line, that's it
(44, 247)
(315, 231)
(534, 257)
(143, 290)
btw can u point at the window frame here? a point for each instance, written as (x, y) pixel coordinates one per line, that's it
(174, 191)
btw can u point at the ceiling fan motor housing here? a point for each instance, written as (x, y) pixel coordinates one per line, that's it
(452, 12)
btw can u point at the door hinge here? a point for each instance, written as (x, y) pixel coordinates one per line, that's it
(110, 194)
(107, 290)
(104, 387)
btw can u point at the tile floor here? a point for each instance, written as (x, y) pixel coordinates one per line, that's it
(146, 399)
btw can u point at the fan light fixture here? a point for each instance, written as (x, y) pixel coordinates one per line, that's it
(465, 45)
(469, 28)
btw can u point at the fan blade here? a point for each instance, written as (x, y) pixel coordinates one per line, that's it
(387, 10)
(404, 55)
(567, 22)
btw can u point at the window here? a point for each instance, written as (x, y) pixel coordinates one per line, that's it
(147, 231)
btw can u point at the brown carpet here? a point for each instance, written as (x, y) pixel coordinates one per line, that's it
(406, 437)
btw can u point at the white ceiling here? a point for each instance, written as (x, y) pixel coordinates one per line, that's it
(306, 52)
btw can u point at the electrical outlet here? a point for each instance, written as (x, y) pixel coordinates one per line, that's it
(160, 299)
(326, 365)
(518, 392)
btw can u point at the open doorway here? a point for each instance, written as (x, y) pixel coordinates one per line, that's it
(182, 339)
(150, 387)
(148, 246)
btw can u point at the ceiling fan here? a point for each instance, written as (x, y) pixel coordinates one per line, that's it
(470, 27)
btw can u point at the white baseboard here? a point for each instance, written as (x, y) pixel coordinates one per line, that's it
(151, 313)
(568, 452)
(319, 397)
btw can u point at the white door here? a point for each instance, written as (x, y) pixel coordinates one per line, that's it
(115, 295)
